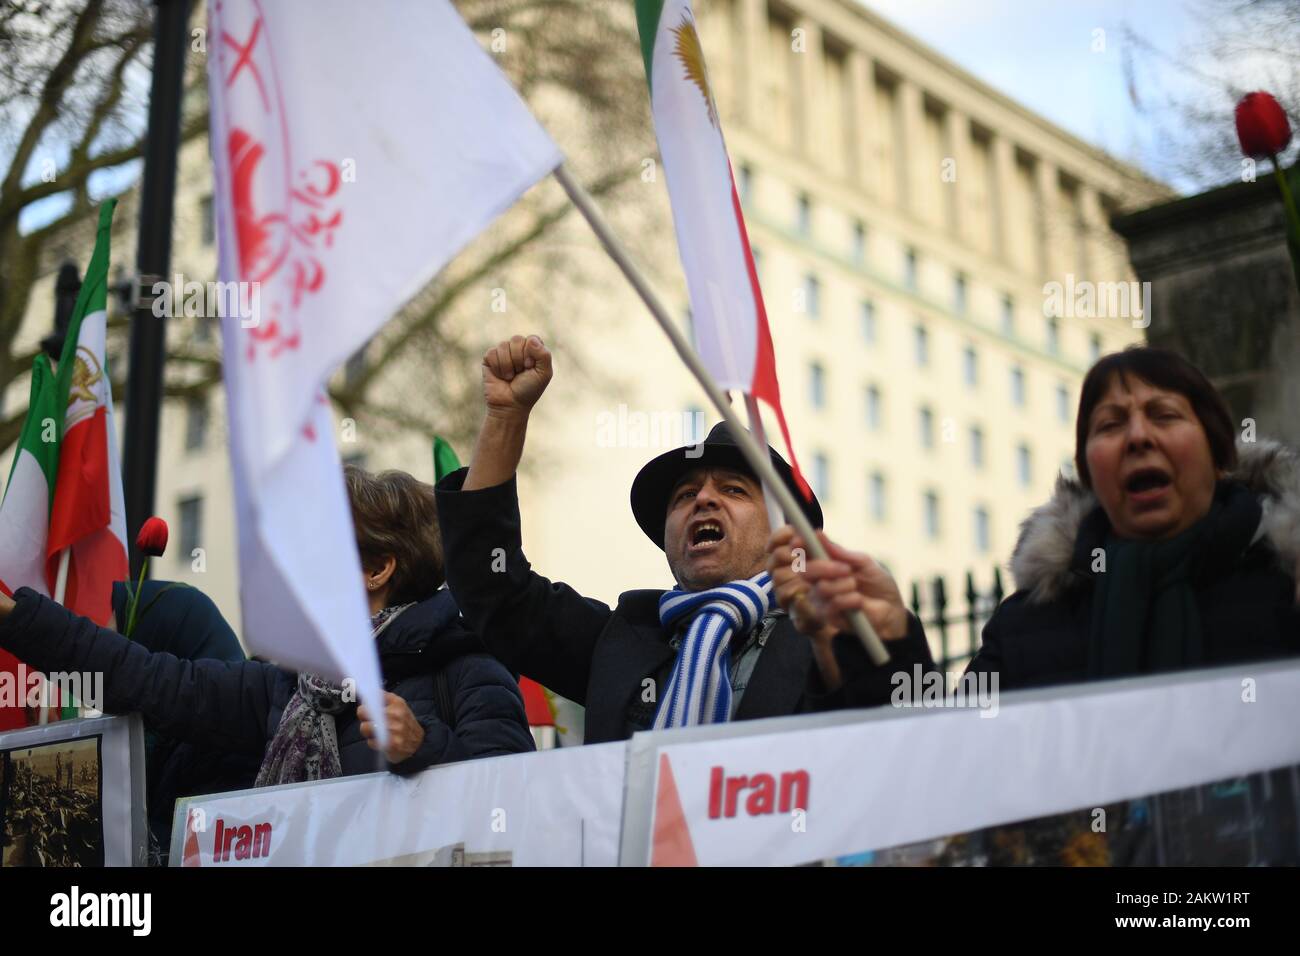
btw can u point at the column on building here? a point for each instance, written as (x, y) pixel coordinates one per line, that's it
(1047, 189)
(751, 17)
(863, 109)
(1098, 241)
(809, 103)
(957, 136)
(1002, 203)
(909, 150)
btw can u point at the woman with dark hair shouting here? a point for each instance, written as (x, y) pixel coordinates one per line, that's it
(1175, 548)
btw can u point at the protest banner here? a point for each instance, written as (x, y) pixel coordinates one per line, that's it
(1048, 767)
(556, 808)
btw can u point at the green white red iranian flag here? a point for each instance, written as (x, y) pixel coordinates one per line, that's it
(731, 330)
(88, 514)
(25, 517)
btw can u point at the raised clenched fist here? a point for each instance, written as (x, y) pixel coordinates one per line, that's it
(515, 373)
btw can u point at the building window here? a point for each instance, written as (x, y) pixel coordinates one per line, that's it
(812, 296)
(1024, 465)
(926, 426)
(191, 511)
(804, 216)
(976, 447)
(1063, 404)
(208, 227)
(959, 294)
(930, 512)
(1018, 386)
(822, 476)
(1008, 316)
(877, 496)
(196, 423)
(859, 244)
(873, 408)
(868, 313)
(970, 367)
(746, 183)
(1094, 347)
(922, 345)
(817, 385)
(1053, 336)
(982, 530)
(909, 270)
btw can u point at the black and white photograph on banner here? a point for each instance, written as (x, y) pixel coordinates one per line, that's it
(802, 434)
(51, 811)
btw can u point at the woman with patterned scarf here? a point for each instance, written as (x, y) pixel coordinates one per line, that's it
(445, 698)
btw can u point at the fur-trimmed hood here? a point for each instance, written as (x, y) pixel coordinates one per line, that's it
(1045, 548)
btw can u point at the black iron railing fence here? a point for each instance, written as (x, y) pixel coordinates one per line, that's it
(954, 623)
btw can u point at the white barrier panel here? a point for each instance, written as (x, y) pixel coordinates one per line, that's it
(884, 778)
(557, 808)
(72, 794)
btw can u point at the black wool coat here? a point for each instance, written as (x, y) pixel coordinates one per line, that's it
(236, 707)
(604, 657)
(1247, 601)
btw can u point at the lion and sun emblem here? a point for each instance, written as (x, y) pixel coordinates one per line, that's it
(86, 374)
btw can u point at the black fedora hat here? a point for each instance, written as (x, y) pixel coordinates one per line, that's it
(655, 482)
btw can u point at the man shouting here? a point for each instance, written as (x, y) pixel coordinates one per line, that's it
(715, 648)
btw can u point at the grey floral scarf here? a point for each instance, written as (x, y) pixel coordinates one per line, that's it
(306, 743)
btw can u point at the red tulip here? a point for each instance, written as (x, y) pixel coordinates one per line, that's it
(1262, 126)
(152, 539)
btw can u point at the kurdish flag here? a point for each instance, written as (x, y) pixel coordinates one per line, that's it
(88, 513)
(731, 330)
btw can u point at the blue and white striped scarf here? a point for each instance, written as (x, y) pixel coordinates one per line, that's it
(699, 691)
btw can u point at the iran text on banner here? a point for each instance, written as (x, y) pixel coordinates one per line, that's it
(730, 322)
(25, 512)
(88, 513)
(357, 148)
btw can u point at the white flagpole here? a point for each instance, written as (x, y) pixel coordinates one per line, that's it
(774, 516)
(754, 455)
(60, 591)
(61, 581)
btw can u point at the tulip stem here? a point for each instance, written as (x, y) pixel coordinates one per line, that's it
(1287, 199)
(135, 599)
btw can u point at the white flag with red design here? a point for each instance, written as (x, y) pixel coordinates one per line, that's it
(357, 147)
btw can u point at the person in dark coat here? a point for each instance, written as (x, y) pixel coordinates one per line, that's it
(1176, 547)
(631, 665)
(445, 698)
(182, 621)
(177, 618)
